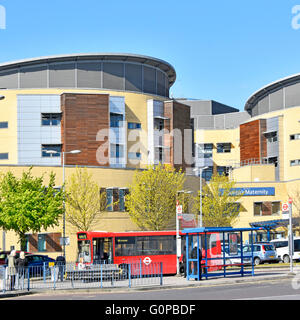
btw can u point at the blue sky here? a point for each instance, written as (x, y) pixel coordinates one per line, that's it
(221, 50)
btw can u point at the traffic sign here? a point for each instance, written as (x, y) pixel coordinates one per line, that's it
(285, 207)
(179, 209)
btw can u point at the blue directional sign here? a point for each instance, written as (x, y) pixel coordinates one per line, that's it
(251, 192)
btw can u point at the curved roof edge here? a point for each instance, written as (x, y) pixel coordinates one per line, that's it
(154, 62)
(273, 86)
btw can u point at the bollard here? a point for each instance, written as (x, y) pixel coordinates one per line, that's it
(44, 272)
(101, 276)
(28, 279)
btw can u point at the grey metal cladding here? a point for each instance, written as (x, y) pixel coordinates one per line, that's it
(113, 76)
(200, 107)
(89, 75)
(219, 121)
(292, 95)
(263, 105)
(9, 79)
(133, 77)
(62, 75)
(161, 84)
(272, 124)
(149, 80)
(233, 120)
(276, 100)
(205, 122)
(254, 111)
(33, 77)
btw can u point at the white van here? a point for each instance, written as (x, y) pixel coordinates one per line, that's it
(282, 249)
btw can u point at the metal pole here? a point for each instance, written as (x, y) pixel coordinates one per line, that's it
(177, 246)
(64, 209)
(201, 224)
(291, 236)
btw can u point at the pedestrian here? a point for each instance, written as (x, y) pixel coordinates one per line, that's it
(21, 263)
(61, 263)
(184, 261)
(197, 254)
(12, 271)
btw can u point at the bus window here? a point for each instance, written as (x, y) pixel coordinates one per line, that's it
(297, 245)
(84, 251)
(102, 250)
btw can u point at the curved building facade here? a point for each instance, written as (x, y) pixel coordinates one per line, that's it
(282, 94)
(123, 72)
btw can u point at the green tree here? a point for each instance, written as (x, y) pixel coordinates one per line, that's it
(84, 202)
(220, 207)
(26, 205)
(151, 202)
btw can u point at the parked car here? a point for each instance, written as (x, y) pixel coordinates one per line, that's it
(38, 263)
(282, 249)
(235, 258)
(262, 252)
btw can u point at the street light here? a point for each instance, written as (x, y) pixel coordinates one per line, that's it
(178, 239)
(200, 169)
(64, 204)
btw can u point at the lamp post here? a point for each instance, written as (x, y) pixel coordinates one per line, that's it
(200, 169)
(178, 239)
(64, 204)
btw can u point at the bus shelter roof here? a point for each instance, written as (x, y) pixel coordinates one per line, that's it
(222, 229)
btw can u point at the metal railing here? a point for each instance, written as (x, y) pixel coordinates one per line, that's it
(76, 276)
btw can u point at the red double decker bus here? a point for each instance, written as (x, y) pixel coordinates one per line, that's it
(123, 248)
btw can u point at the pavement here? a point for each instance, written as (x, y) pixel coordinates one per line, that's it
(173, 282)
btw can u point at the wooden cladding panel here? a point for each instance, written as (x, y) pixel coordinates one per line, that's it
(250, 141)
(84, 115)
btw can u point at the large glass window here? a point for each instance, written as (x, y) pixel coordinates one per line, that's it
(223, 147)
(51, 150)
(207, 174)
(257, 208)
(3, 125)
(41, 242)
(116, 120)
(51, 119)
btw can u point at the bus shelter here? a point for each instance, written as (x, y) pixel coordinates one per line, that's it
(213, 252)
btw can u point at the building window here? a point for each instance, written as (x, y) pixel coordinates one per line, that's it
(42, 243)
(159, 124)
(294, 163)
(207, 174)
(116, 120)
(51, 119)
(51, 150)
(267, 208)
(205, 150)
(115, 198)
(271, 137)
(295, 136)
(3, 125)
(133, 125)
(276, 208)
(116, 151)
(257, 208)
(223, 147)
(223, 170)
(134, 155)
(3, 156)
